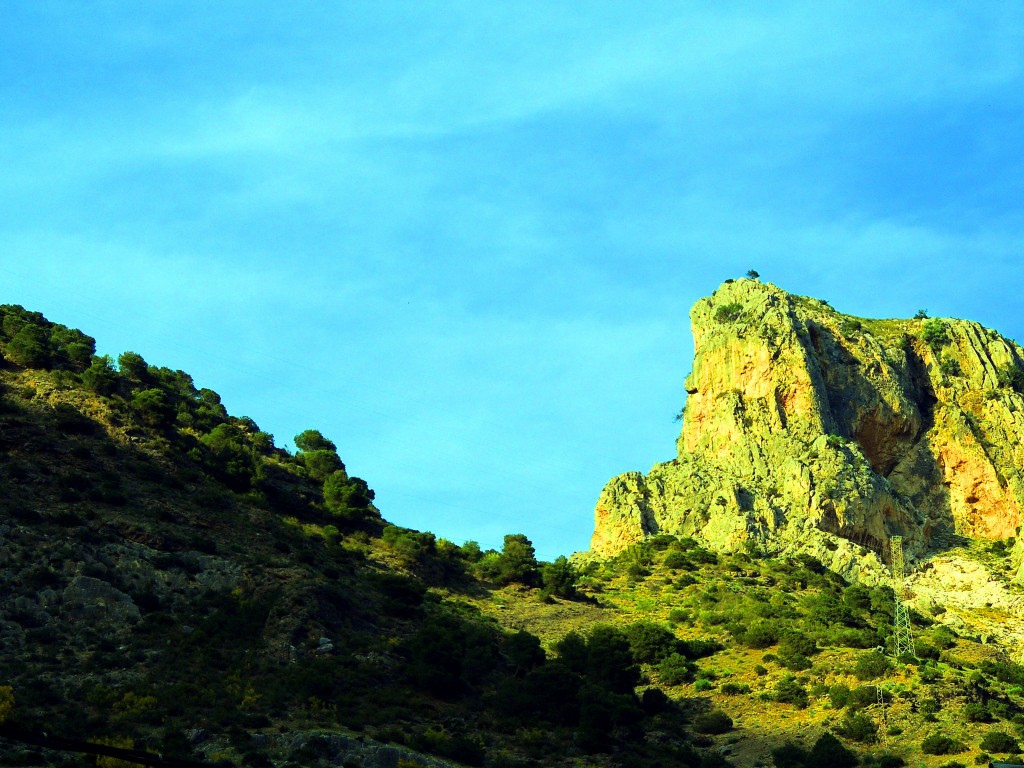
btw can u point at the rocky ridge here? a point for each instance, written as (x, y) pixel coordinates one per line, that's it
(807, 430)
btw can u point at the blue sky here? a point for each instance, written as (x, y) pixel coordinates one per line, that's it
(462, 238)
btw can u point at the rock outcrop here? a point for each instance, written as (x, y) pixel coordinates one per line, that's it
(960, 590)
(809, 430)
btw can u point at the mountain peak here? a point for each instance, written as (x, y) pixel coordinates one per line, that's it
(809, 430)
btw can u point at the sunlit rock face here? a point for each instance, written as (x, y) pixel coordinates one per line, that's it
(806, 430)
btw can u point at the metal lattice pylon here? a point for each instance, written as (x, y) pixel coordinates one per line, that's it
(903, 640)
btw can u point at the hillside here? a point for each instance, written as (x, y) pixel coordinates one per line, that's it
(171, 580)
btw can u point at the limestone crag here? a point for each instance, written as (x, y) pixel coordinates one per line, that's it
(809, 430)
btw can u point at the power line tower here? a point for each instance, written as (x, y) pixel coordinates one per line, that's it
(903, 640)
(882, 711)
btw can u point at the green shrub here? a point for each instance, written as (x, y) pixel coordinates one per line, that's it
(728, 313)
(559, 578)
(888, 760)
(523, 651)
(610, 661)
(699, 647)
(30, 347)
(950, 366)
(680, 616)
(1012, 377)
(714, 722)
(6, 701)
(934, 333)
(151, 406)
(702, 556)
(227, 457)
(794, 649)
(871, 665)
(675, 669)
(863, 696)
(100, 376)
(1000, 710)
(347, 498)
(662, 541)
(944, 638)
(313, 440)
(796, 662)
(572, 652)
(734, 689)
(331, 534)
(824, 609)
(790, 755)
(760, 634)
(938, 744)
(677, 561)
(637, 572)
(789, 691)
(843, 637)
(411, 546)
(463, 747)
(859, 727)
(602, 713)
(650, 643)
(929, 707)
(850, 327)
(448, 652)
(857, 597)
(926, 652)
(1004, 672)
(133, 367)
(517, 562)
(839, 695)
(654, 700)
(999, 742)
(828, 752)
(320, 464)
(796, 642)
(977, 713)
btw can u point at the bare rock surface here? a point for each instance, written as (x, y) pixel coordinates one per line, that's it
(967, 596)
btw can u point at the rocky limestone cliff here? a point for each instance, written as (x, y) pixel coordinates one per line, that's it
(809, 430)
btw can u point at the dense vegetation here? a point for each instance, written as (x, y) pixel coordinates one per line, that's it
(171, 579)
